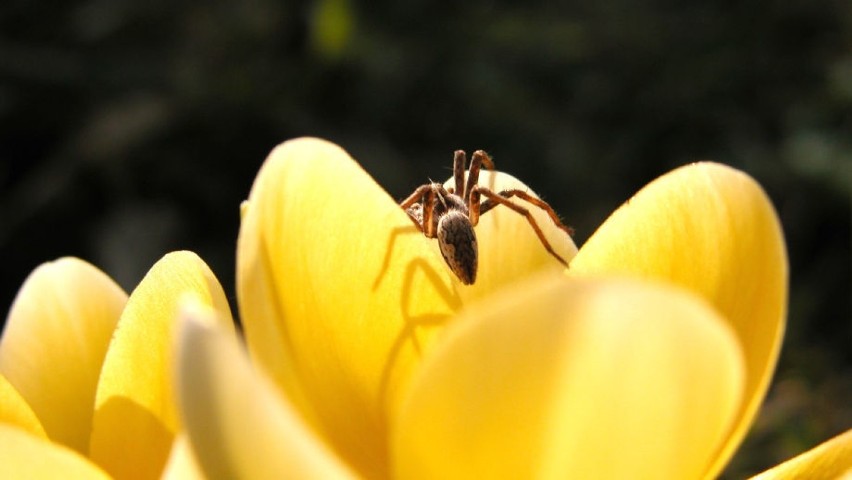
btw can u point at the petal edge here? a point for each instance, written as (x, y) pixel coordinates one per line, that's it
(828, 460)
(237, 424)
(711, 229)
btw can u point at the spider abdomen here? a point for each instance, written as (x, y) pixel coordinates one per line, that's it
(457, 242)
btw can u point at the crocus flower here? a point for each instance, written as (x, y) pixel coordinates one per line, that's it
(369, 359)
(86, 385)
(648, 358)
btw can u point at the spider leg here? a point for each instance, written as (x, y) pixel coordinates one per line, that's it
(494, 199)
(478, 159)
(488, 205)
(421, 195)
(426, 195)
(416, 196)
(459, 159)
(438, 205)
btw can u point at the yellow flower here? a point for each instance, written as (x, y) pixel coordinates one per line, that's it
(86, 384)
(650, 358)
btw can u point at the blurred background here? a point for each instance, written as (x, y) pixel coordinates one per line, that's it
(130, 129)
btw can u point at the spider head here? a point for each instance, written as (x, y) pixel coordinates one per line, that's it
(457, 242)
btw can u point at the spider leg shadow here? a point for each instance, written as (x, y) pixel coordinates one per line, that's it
(412, 322)
(397, 231)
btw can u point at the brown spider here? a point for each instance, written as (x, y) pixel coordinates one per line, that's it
(451, 213)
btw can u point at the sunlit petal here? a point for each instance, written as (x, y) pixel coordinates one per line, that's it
(338, 292)
(14, 410)
(29, 457)
(712, 230)
(54, 344)
(182, 463)
(829, 460)
(136, 418)
(573, 379)
(238, 425)
(508, 246)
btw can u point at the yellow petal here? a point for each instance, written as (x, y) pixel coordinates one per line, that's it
(712, 230)
(832, 459)
(508, 246)
(54, 344)
(238, 425)
(182, 463)
(135, 414)
(573, 379)
(28, 457)
(339, 293)
(14, 410)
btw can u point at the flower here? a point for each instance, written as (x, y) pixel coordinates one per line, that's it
(86, 387)
(649, 358)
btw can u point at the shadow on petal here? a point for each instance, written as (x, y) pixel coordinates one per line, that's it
(338, 295)
(15, 410)
(150, 437)
(135, 415)
(54, 343)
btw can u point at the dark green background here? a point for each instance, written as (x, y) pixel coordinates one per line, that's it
(129, 129)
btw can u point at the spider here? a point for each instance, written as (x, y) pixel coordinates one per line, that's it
(451, 213)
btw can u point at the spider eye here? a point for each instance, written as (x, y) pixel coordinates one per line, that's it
(457, 242)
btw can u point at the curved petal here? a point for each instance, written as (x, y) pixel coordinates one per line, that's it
(237, 423)
(508, 246)
(581, 379)
(15, 410)
(712, 230)
(25, 456)
(135, 413)
(54, 344)
(829, 460)
(339, 293)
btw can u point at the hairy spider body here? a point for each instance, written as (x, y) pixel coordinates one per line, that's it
(450, 214)
(450, 224)
(457, 242)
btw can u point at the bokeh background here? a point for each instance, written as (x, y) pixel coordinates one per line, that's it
(129, 129)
